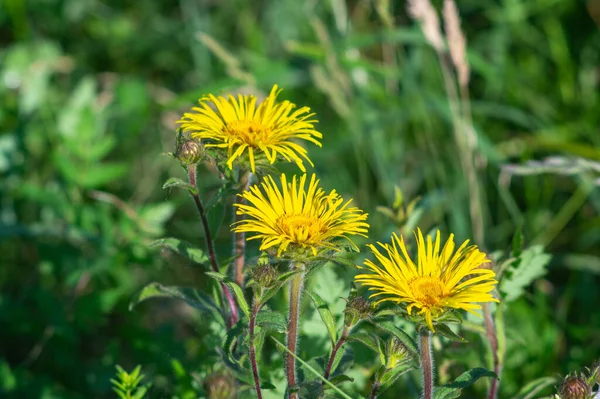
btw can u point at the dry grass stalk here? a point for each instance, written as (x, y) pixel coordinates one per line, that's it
(457, 42)
(424, 12)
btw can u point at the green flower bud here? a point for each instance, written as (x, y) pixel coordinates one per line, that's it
(396, 354)
(189, 152)
(575, 387)
(357, 309)
(265, 275)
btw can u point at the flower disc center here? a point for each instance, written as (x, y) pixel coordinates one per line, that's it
(301, 228)
(427, 290)
(248, 132)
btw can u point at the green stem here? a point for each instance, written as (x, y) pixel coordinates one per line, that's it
(426, 363)
(296, 285)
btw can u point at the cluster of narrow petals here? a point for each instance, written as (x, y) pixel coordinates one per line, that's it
(243, 127)
(440, 280)
(298, 216)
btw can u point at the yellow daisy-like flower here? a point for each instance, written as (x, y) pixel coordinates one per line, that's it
(296, 217)
(240, 125)
(440, 280)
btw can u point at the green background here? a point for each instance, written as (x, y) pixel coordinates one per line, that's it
(90, 91)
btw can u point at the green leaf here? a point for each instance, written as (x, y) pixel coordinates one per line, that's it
(192, 297)
(344, 359)
(338, 379)
(410, 343)
(178, 183)
(326, 315)
(272, 321)
(215, 218)
(392, 375)
(445, 331)
(233, 286)
(312, 370)
(530, 389)
(465, 380)
(517, 243)
(234, 335)
(183, 248)
(371, 341)
(530, 266)
(224, 193)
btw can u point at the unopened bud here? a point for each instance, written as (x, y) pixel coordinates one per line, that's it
(265, 275)
(357, 309)
(189, 152)
(220, 386)
(575, 387)
(396, 353)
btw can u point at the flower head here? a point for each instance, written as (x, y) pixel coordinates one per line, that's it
(240, 126)
(439, 281)
(296, 217)
(575, 387)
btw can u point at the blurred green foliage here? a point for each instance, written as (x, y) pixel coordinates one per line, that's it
(90, 90)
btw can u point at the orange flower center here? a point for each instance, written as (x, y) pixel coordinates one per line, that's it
(427, 290)
(250, 132)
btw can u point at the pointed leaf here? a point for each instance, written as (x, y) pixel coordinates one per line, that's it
(465, 380)
(445, 331)
(530, 266)
(410, 343)
(192, 297)
(369, 340)
(235, 288)
(272, 321)
(325, 314)
(178, 183)
(392, 375)
(182, 248)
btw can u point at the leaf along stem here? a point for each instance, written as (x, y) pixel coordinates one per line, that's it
(296, 285)
(334, 352)
(426, 363)
(252, 348)
(233, 310)
(239, 238)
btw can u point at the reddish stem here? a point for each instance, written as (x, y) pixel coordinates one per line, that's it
(233, 316)
(334, 352)
(292, 330)
(491, 335)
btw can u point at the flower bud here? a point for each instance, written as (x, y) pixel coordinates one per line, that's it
(396, 353)
(189, 152)
(265, 275)
(357, 309)
(220, 386)
(575, 387)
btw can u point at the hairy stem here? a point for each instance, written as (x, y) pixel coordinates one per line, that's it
(426, 363)
(233, 310)
(252, 349)
(296, 285)
(239, 238)
(334, 352)
(375, 389)
(493, 339)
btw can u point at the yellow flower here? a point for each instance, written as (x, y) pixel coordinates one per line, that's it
(240, 125)
(439, 281)
(298, 218)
